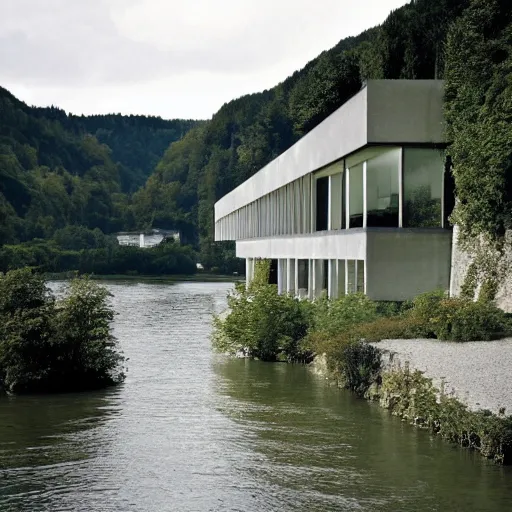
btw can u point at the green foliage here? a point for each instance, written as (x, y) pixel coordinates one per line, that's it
(337, 316)
(458, 319)
(56, 169)
(360, 365)
(49, 345)
(412, 396)
(263, 324)
(91, 252)
(478, 110)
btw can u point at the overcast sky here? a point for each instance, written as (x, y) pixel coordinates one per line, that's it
(166, 57)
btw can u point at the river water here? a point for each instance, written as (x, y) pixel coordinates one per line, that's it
(193, 431)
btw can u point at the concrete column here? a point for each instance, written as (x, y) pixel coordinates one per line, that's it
(318, 275)
(302, 276)
(281, 276)
(332, 280)
(311, 280)
(290, 277)
(335, 201)
(249, 271)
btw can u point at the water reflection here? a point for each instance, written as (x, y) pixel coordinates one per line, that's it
(319, 445)
(190, 431)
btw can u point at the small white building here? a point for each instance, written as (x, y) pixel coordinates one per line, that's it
(360, 203)
(147, 239)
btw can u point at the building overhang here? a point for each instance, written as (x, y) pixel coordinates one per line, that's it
(384, 112)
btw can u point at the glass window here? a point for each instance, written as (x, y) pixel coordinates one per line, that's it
(356, 196)
(423, 187)
(322, 203)
(303, 274)
(382, 189)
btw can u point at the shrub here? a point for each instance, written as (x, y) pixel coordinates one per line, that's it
(465, 320)
(412, 396)
(360, 365)
(332, 317)
(48, 345)
(263, 324)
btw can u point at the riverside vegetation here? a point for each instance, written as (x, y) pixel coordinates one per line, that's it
(55, 345)
(343, 333)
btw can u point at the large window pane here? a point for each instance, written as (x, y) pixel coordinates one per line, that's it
(382, 189)
(356, 196)
(423, 187)
(322, 203)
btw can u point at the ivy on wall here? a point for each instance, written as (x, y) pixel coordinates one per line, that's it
(478, 109)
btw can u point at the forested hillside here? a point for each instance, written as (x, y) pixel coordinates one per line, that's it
(248, 132)
(58, 169)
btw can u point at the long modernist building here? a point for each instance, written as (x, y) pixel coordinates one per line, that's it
(359, 204)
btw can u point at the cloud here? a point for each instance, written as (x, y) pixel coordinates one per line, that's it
(55, 48)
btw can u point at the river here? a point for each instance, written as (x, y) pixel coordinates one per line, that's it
(193, 431)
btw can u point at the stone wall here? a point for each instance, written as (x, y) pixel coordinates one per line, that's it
(461, 262)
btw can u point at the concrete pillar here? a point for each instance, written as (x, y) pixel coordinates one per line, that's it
(317, 268)
(311, 280)
(141, 240)
(302, 278)
(249, 271)
(281, 276)
(290, 277)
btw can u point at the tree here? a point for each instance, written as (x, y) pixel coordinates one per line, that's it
(49, 345)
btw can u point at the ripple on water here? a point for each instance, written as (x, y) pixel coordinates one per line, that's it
(191, 431)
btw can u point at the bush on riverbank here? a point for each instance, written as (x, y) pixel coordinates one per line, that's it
(104, 256)
(55, 345)
(263, 324)
(269, 326)
(412, 397)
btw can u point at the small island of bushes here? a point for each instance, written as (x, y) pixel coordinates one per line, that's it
(50, 344)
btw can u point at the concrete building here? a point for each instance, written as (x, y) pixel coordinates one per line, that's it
(148, 239)
(360, 203)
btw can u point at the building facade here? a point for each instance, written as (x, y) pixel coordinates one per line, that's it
(148, 239)
(359, 204)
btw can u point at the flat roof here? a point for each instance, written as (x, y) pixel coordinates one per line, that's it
(383, 112)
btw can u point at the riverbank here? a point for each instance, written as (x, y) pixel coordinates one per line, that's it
(458, 391)
(345, 338)
(475, 373)
(199, 277)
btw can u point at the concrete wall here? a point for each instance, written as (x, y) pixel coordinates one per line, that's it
(384, 111)
(341, 244)
(401, 264)
(405, 111)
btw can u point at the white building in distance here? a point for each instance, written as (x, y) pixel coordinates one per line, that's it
(359, 204)
(147, 239)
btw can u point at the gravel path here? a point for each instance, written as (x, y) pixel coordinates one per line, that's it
(478, 373)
